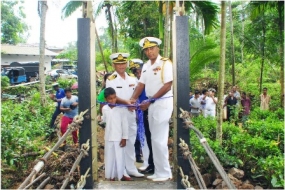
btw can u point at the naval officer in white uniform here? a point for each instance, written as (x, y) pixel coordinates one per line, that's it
(157, 79)
(124, 85)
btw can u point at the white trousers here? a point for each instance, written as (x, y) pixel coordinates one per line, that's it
(145, 151)
(130, 157)
(114, 160)
(159, 114)
(210, 113)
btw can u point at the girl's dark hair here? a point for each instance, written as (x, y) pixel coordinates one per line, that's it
(109, 91)
(106, 76)
(67, 90)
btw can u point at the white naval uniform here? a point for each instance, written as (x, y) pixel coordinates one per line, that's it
(145, 152)
(124, 89)
(116, 130)
(154, 76)
(210, 107)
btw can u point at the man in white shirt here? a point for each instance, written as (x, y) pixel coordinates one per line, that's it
(156, 78)
(195, 104)
(124, 85)
(211, 102)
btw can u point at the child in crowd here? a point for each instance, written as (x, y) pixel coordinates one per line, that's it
(116, 133)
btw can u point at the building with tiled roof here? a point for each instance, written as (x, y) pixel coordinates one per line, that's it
(24, 53)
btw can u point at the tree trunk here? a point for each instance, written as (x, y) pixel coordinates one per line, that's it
(242, 31)
(101, 50)
(281, 49)
(170, 32)
(43, 12)
(160, 21)
(219, 131)
(115, 32)
(232, 44)
(263, 54)
(111, 27)
(166, 31)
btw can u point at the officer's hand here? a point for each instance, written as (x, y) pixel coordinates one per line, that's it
(133, 101)
(131, 106)
(144, 105)
(123, 143)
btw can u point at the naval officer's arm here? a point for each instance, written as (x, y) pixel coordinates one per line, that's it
(163, 90)
(137, 92)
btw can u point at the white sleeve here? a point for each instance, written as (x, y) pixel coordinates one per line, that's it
(108, 83)
(104, 115)
(167, 72)
(143, 75)
(125, 128)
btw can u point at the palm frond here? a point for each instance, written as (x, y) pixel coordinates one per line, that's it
(97, 11)
(209, 11)
(70, 8)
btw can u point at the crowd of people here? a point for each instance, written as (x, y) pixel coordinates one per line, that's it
(204, 103)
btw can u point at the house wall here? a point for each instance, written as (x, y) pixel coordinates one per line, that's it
(7, 59)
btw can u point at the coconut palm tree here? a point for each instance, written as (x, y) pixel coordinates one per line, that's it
(42, 11)
(222, 72)
(71, 7)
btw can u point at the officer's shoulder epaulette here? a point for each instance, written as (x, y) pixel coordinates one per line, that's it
(131, 75)
(112, 77)
(165, 59)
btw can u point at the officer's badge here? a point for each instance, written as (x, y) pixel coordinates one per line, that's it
(134, 65)
(131, 75)
(158, 68)
(112, 77)
(146, 43)
(120, 57)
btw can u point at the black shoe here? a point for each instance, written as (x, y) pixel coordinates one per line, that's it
(139, 160)
(148, 170)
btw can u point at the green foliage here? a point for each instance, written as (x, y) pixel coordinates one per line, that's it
(21, 124)
(13, 27)
(65, 83)
(24, 90)
(203, 52)
(5, 81)
(69, 53)
(254, 148)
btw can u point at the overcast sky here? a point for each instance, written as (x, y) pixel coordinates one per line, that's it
(58, 32)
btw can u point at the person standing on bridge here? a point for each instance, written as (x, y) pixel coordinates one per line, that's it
(148, 165)
(116, 134)
(124, 85)
(156, 78)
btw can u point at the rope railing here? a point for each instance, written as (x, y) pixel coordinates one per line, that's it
(81, 183)
(83, 152)
(189, 125)
(75, 125)
(187, 155)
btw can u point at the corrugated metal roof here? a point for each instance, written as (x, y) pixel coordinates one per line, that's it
(24, 50)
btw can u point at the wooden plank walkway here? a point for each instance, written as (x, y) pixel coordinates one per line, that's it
(135, 185)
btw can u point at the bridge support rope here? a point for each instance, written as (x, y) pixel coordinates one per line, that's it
(189, 125)
(75, 125)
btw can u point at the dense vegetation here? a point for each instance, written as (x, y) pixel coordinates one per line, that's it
(257, 147)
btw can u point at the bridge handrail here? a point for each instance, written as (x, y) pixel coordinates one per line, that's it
(189, 125)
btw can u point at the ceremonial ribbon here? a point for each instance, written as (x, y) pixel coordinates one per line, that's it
(139, 113)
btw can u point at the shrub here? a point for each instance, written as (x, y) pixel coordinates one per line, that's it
(22, 123)
(254, 148)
